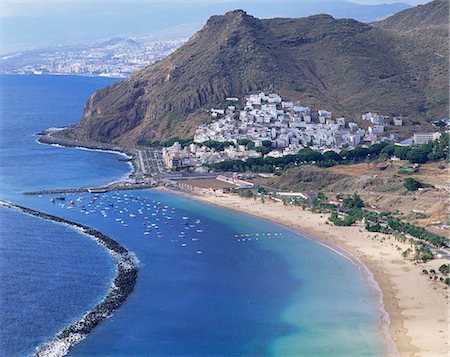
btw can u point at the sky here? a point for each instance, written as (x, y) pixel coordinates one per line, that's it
(33, 24)
(33, 8)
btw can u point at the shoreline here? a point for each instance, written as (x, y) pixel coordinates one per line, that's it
(126, 266)
(401, 312)
(401, 290)
(46, 138)
(384, 319)
(129, 158)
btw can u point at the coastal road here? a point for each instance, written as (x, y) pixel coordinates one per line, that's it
(141, 162)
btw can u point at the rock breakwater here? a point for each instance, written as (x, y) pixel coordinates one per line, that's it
(121, 287)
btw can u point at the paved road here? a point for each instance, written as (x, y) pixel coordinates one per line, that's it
(141, 162)
(151, 162)
(372, 193)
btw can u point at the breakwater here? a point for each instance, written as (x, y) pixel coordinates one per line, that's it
(121, 287)
(118, 186)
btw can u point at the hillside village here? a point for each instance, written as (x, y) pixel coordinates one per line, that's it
(268, 125)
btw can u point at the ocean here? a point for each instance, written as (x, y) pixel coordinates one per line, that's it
(212, 282)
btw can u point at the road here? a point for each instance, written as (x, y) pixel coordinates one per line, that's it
(151, 162)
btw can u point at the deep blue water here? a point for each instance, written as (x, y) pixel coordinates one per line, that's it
(211, 281)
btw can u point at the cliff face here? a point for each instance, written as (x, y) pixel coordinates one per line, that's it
(343, 65)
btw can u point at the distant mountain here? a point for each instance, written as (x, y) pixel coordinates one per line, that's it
(46, 24)
(339, 64)
(435, 13)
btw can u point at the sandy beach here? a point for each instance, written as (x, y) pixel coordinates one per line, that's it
(417, 307)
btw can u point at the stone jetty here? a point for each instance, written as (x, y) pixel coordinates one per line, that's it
(122, 286)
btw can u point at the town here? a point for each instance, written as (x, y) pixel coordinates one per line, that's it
(117, 57)
(266, 125)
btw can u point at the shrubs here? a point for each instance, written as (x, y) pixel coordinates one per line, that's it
(423, 253)
(353, 202)
(243, 193)
(444, 269)
(413, 184)
(418, 232)
(167, 143)
(348, 220)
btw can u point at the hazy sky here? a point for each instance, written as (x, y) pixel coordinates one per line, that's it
(32, 24)
(11, 8)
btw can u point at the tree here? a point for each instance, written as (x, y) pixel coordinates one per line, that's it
(418, 155)
(358, 153)
(217, 145)
(412, 184)
(444, 269)
(388, 150)
(401, 152)
(331, 156)
(353, 202)
(250, 145)
(376, 149)
(266, 143)
(243, 141)
(406, 253)
(309, 155)
(263, 150)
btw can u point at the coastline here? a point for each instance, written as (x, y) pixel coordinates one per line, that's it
(127, 155)
(413, 310)
(122, 286)
(46, 138)
(407, 300)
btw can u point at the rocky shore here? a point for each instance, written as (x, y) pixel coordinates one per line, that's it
(122, 286)
(53, 136)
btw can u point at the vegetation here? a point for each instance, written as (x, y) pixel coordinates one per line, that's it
(217, 145)
(413, 184)
(444, 269)
(243, 193)
(435, 150)
(417, 232)
(353, 202)
(269, 164)
(348, 220)
(423, 253)
(432, 151)
(166, 143)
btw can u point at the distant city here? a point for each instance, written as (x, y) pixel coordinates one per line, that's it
(118, 57)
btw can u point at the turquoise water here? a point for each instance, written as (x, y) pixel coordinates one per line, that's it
(212, 282)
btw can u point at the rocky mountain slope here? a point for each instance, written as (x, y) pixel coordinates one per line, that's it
(343, 65)
(434, 13)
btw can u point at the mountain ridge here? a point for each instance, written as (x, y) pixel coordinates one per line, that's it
(339, 64)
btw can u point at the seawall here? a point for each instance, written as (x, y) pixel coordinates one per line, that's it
(121, 287)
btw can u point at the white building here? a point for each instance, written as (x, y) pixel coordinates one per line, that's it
(398, 121)
(423, 138)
